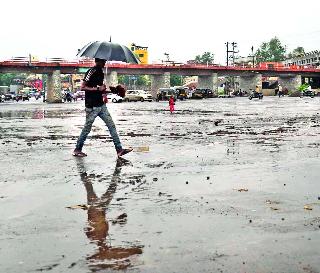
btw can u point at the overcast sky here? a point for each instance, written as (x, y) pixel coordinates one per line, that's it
(183, 29)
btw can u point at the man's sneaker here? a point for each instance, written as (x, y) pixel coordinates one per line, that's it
(79, 153)
(124, 151)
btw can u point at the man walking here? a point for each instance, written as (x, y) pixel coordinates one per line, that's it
(94, 89)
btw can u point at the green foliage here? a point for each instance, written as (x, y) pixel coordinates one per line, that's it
(303, 87)
(272, 51)
(6, 78)
(205, 58)
(176, 80)
(123, 79)
(297, 52)
(143, 80)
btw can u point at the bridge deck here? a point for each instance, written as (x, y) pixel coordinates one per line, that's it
(123, 68)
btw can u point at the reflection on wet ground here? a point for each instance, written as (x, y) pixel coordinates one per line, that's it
(97, 231)
(222, 185)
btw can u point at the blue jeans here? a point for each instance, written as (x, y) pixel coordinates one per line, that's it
(103, 113)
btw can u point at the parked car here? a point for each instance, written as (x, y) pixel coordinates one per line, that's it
(197, 94)
(181, 93)
(166, 93)
(8, 97)
(146, 95)
(137, 95)
(114, 97)
(79, 95)
(206, 93)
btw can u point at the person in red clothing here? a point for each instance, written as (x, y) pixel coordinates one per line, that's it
(171, 104)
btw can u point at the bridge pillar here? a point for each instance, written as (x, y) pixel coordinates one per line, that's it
(112, 78)
(291, 82)
(54, 87)
(208, 82)
(250, 82)
(159, 81)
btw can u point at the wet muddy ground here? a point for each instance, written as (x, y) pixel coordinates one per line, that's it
(222, 185)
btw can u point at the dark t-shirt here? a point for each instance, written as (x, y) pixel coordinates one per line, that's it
(93, 78)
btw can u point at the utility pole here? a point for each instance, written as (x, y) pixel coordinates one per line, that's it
(233, 51)
(252, 56)
(234, 46)
(227, 44)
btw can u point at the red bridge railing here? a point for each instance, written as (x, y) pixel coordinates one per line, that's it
(50, 62)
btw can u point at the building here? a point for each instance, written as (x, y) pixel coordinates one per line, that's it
(244, 61)
(309, 59)
(141, 52)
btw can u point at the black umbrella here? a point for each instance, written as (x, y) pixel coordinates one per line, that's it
(108, 51)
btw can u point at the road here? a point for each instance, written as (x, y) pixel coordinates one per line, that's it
(221, 185)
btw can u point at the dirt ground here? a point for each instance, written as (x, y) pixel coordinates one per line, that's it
(221, 185)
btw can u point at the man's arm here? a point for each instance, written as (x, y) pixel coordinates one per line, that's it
(85, 87)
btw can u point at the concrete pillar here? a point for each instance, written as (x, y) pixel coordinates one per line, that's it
(291, 82)
(54, 87)
(159, 81)
(112, 78)
(250, 82)
(208, 82)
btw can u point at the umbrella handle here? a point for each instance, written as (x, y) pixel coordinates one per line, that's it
(106, 73)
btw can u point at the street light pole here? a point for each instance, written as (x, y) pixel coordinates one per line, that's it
(252, 56)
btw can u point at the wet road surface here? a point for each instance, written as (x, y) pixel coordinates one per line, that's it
(222, 185)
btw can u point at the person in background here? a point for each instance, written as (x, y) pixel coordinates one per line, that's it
(280, 91)
(171, 104)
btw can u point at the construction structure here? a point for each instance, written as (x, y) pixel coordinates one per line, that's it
(141, 52)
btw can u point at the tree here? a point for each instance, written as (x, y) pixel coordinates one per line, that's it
(205, 58)
(7, 78)
(141, 80)
(297, 52)
(123, 79)
(272, 51)
(176, 80)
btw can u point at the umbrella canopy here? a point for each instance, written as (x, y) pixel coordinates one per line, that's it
(108, 51)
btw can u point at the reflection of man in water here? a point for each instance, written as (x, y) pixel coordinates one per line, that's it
(106, 255)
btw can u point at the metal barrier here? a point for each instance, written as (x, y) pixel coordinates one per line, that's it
(26, 61)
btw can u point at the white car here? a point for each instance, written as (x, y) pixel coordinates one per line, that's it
(138, 95)
(114, 97)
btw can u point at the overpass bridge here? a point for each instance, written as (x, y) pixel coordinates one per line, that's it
(289, 77)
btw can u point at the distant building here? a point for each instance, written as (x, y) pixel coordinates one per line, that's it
(141, 52)
(244, 61)
(309, 59)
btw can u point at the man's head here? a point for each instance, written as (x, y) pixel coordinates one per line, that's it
(100, 62)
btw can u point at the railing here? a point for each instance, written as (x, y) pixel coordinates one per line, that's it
(27, 61)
